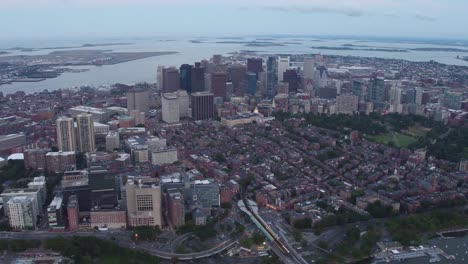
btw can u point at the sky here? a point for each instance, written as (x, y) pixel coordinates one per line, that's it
(44, 19)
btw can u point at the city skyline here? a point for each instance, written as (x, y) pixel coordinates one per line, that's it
(124, 18)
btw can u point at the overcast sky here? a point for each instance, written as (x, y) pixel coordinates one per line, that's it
(138, 18)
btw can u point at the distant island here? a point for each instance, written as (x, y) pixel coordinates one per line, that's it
(363, 49)
(87, 45)
(252, 43)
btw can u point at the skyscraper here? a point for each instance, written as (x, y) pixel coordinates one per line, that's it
(251, 83)
(186, 77)
(238, 74)
(202, 106)
(255, 65)
(290, 76)
(271, 77)
(66, 140)
(309, 68)
(321, 77)
(283, 65)
(85, 126)
(198, 78)
(170, 108)
(218, 84)
(376, 92)
(170, 80)
(138, 100)
(143, 204)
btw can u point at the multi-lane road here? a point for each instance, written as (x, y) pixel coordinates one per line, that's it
(41, 235)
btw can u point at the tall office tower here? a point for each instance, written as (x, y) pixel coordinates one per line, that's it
(251, 83)
(207, 82)
(170, 108)
(409, 96)
(159, 77)
(358, 88)
(184, 103)
(186, 77)
(21, 212)
(73, 213)
(283, 65)
(175, 207)
(170, 80)
(419, 96)
(238, 74)
(66, 140)
(255, 65)
(85, 125)
(202, 106)
(271, 77)
(143, 204)
(309, 68)
(396, 95)
(376, 91)
(321, 77)
(217, 59)
(347, 104)
(291, 77)
(138, 100)
(218, 84)
(198, 78)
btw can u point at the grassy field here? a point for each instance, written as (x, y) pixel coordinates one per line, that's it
(417, 131)
(399, 140)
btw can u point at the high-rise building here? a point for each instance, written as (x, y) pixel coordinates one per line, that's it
(186, 77)
(184, 103)
(255, 65)
(358, 88)
(112, 141)
(198, 79)
(251, 83)
(218, 84)
(175, 207)
(138, 100)
(73, 213)
(347, 104)
(170, 108)
(202, 106)
(237, 75)
(309, 68)
(207, 82)
(21, 213)
(66, 140)
(271, 77)
(143, 204)
(321, 77)
(85, 128)
(291, 77)
(376, 91)
(170, 80)
(283, 65)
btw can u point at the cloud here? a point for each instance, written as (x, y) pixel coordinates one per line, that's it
(347, 11)
(424, 17)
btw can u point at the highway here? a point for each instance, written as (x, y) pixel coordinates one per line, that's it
(282, 249)
(41, 235)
